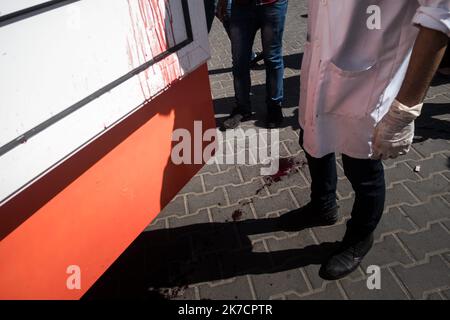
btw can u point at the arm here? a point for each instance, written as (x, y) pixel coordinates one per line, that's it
(426, 56)
(394, 134)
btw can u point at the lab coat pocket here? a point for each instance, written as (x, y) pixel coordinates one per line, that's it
(347, 93)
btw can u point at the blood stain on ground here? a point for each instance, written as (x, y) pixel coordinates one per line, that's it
(237, 215)
(285, 167)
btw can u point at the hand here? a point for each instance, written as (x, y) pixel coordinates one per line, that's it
(221, 10)
(395, 132)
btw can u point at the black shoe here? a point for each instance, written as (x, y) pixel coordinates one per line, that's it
(346, 259)
(236, 117)
(307, 217)
(274, 117)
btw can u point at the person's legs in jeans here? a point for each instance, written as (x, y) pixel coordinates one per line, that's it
(272, 20)
(323, 181)
(242, 33)
(322, 209)
(367, 179)
(226, 25)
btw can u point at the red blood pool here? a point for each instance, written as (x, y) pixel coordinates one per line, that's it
(285, 166)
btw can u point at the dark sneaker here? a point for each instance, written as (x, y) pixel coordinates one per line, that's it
(346, 259)
(274, 117)
(307, 217)
(235, 119)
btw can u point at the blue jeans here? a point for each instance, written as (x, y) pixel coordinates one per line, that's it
(245, 21)
(226, 24)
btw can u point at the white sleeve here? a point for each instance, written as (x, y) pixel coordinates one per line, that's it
(434, 14)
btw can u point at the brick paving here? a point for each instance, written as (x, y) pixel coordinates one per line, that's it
(217, 239)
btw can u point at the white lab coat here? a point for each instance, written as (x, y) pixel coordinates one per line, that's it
(350, 74)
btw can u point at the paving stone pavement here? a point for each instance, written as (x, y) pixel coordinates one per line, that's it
(217, 239)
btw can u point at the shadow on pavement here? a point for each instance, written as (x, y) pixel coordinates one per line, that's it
(161, 264)
(430, 126)
(439, 80)
(293, 61)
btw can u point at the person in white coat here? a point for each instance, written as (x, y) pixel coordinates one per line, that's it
(366, 69)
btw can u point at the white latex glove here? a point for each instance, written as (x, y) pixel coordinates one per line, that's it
(395, 132)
